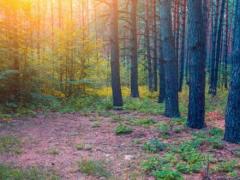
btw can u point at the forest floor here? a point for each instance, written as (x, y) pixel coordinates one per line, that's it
(118, 145)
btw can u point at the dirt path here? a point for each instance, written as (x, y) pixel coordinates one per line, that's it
(51, 142)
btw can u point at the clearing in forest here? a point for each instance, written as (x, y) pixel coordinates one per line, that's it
(115, 145)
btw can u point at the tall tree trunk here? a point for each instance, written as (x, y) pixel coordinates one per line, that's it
(154, 35)
(161, 71)
(214, 41)
(225, 53)
(232, 118)
(196, 108)
(115, 64)
(218, 48)
(182, 54)
(147, 44)
(134, 55)
(170, 61)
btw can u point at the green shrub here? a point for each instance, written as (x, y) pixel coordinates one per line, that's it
(157, 163)
(123, 129)
(190, 155)
(153, 164)
(154, 146)
(212, 138)
(167, 175)
(183, 168)
(216, 132)
(226, 166)
(94, 168)
(164, 129)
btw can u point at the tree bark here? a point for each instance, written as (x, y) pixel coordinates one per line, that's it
(196, 108)
(115, 65)
(170, 61)
(232, 117)
(134, 55)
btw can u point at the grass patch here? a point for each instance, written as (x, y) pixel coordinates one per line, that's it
(96, 124)
(226, 166)
(53, 151)
(164, 129)
(33, 173)
(122, 129)
(86, 147)
(117, 118)
(144, 105)
(10, 144)
(146, 122)
(94, 168)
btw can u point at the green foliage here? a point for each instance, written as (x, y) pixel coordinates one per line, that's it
(213, 103)
(87, 104)
(167, 175)
(143, 122)
(164, 128)
(212, 138)
(183, 167)
(123, 129)
(178, 121)
(189, 153)
(94, 168)
(10, 173)
(143, 105)
(226, 166)
(216, 143)
(161, 167)
(153, 163)
(218, 102)
(10, 144)
(188, 159)
(154, 146)
(216, 132)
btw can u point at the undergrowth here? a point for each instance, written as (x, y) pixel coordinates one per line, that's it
(33, 173)
(94, 168)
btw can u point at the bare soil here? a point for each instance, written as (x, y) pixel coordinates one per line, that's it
(50, 141)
